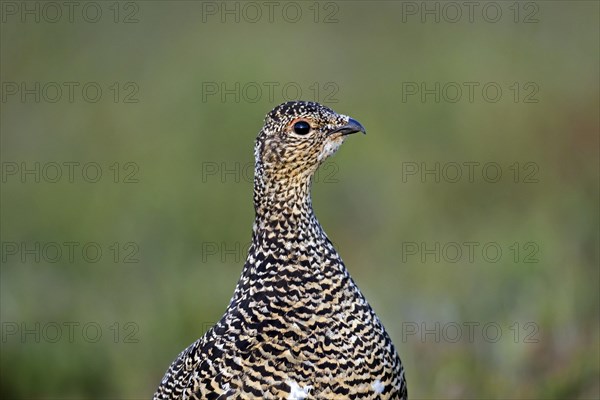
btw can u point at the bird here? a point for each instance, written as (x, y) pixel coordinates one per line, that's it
(297, 326)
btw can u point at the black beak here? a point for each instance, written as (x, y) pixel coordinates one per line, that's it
(352, 126)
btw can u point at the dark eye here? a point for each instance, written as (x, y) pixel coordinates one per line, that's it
(301, 127)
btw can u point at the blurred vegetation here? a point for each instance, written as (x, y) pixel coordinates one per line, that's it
(182, 218)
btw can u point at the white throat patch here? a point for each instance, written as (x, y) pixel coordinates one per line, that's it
(330, 147)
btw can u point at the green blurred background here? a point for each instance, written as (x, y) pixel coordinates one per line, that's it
(181, 208)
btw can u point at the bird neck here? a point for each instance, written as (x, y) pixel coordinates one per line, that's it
(283, 205)
(285, 222)
(290, 251)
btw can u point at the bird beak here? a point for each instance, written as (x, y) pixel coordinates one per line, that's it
(352, 126)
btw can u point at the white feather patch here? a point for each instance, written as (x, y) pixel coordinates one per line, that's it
(378, 386)
(297, 392)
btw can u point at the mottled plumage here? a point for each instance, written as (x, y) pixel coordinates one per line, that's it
(297, 326)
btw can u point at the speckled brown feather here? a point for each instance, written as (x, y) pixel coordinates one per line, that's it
(297, 326)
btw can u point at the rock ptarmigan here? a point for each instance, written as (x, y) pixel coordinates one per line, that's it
(297, 326)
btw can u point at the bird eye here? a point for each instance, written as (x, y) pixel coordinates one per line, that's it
(301, 127)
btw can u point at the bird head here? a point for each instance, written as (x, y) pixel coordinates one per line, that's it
(298, 136)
